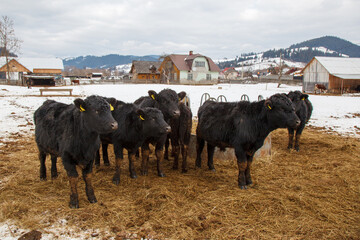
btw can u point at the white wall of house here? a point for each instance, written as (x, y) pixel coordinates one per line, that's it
(200, 73)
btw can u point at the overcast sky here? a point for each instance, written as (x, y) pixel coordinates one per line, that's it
(218, 29)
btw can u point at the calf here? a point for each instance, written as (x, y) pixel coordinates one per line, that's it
(135, 126)
(320, 87)
(72, 133)
(242, 126)
(180, 136)
(303, 108)
(167, 101)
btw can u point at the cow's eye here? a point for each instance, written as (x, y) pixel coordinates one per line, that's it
(97, 112)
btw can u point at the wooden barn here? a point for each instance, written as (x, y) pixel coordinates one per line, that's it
(145, 72)
(338, 74)
(38, 71)
(189, 69)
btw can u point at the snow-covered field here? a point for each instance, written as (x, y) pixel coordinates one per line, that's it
(339, 114)
(334, 113)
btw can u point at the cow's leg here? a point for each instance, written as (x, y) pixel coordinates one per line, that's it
(211, 150)
(247, 170)
(298, 135)
(105, 154)
(159, 152)
(86, 172)
(200, 143)
(42, 158)
(184, 151)
(54, 172)
(242, 166)
(145, 152)
(291, 137)
(73, 180)
(131, 156)
(118, 159)
(176, 151)
(166, 153)
(97, 158)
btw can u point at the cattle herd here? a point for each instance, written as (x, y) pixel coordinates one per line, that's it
(75, 131)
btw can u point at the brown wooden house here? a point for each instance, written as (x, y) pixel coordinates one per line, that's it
(38, 71)
(145, 72)
(337, 74)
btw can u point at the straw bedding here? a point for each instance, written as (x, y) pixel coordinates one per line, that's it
(311, 194)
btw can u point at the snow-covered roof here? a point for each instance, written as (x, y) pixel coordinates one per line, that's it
(347, 68)
(37, 63)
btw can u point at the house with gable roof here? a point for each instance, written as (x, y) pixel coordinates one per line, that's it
(337, 74)
(145, 72)
(39, 71)
(189, 69)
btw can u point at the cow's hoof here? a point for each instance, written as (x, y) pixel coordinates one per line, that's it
(133, 175)
(212, 169)
(116, 181)
(144, 173)
(175, 167)
(184, 171)
(106, 163)
(42, 178)
(243, 187)
(249, 183)
(74, 205)
(93, 200)
(161, 174)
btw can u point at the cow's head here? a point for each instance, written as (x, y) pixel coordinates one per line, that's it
(96, 113)
(281, 112)
(297, 98)
(153, 122)
(167, 101)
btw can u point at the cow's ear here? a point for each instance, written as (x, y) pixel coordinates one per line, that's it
(141, 114)
(153, 94)
(112, 102)
(304, 96)
(80, 104)
(181, 95)
(268, 104)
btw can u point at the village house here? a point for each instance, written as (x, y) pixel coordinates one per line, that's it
(189, 69)
(145, 72)
(337, 74)
(37, 71)
(229, 73)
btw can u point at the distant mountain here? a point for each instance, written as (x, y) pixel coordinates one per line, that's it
(108, 61)
(302, 52)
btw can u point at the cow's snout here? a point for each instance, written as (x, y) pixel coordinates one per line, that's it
(176, 113)
(114, 126)
(168, 129)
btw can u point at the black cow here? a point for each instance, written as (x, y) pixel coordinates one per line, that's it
(180, 136)
(303, 108)
(135, 126)
(72, 133)
(167, 101)
(242, 126)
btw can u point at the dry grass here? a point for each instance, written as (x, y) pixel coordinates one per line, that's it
(313, 194)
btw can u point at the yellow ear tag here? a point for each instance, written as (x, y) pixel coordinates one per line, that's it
(303, 99)
(141, 118)
(152, 96)
(269, 107)
(82, 109)
(111, 108)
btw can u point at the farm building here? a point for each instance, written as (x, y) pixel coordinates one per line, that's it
(38, 71)
(189, 69)
(229, 73)
(145, 72)
(338, 74)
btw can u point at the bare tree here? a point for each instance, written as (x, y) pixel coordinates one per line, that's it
(8, 41)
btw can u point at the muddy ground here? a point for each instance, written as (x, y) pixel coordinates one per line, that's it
(311, 194)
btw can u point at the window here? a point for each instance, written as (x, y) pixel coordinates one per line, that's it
(199, 64)
(190, 76)
(208, 76)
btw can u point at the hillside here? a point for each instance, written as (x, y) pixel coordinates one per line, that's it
(108, 61)
(301, 52)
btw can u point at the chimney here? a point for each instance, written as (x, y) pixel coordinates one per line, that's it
(190, 53)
